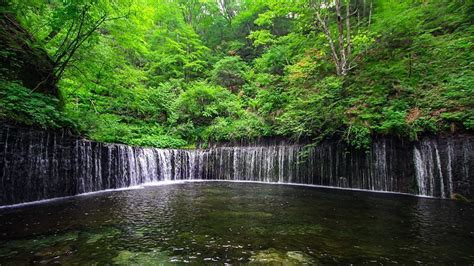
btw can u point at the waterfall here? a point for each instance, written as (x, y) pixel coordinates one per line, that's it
(37, 165)
(420, 172)
(434, 167)
(450, 168)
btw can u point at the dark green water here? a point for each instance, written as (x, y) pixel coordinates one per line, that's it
(238, 222)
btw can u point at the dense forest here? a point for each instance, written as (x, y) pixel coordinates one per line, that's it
(172, 73)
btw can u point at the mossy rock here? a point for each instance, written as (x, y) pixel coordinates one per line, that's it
(276, 257)
(41, 242)
(304, 229)
(47, 247)
(126, 257)
(102, 233)
(22, 59)
(459, 197)
(243, 214)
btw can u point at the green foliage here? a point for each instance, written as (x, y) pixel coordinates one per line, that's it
(203, 102)
(209, 112)
(158, 141)
(248, 126)
(312, 110)
(358, 136)
(274, 60)
(18, 103)
(262, 38)
(170, 73)
(230, 72)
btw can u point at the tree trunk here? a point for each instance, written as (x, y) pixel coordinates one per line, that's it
(342, 54)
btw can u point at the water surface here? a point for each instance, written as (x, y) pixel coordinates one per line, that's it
(238, 222)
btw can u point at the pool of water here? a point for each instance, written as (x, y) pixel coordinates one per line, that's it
(238, 222)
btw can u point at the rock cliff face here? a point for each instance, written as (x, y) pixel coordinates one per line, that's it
(37, 165)
(21, 60)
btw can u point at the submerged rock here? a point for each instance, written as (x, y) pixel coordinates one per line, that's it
(459, 197)
(276, 257)
(126, 257)
(100, 234)
(305, 229)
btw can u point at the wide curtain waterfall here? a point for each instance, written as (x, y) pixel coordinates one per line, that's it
(37, 165)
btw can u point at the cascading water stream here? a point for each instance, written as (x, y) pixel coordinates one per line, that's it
(434, 167)
(39, 165)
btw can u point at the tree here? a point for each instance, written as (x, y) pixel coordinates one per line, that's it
(68, 25)
(228, 9)
(296, 67)
(81, 20)
(341, 43)
(202, 102)
(230, 72)
(177, 51)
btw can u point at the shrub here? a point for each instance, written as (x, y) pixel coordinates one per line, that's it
(20, 104)
(229, 72)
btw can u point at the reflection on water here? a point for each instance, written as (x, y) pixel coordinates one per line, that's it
(233, 222)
